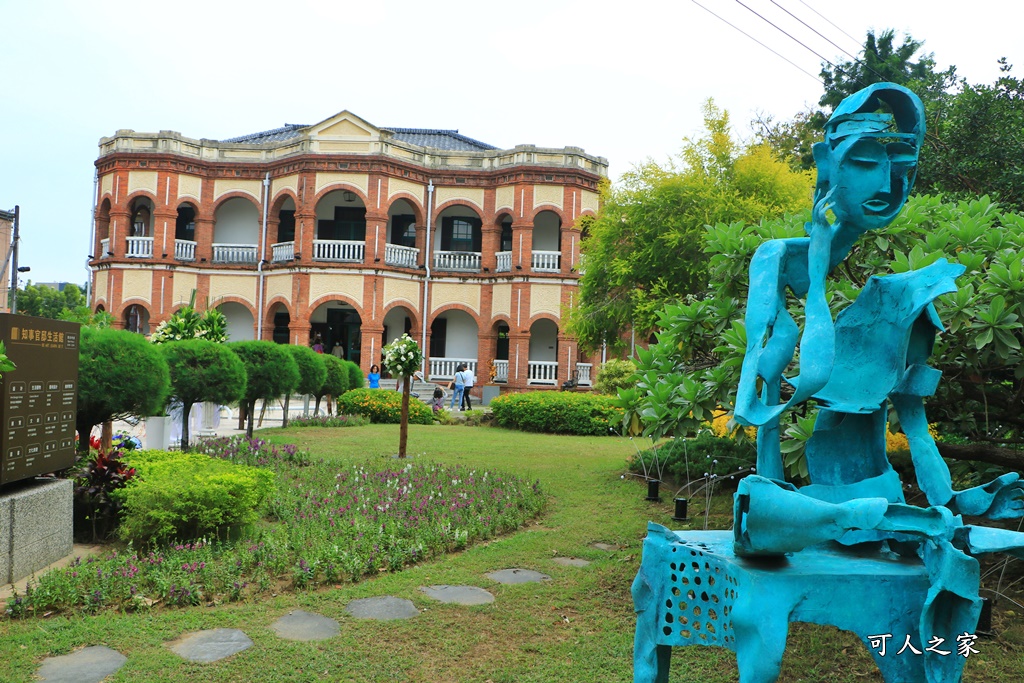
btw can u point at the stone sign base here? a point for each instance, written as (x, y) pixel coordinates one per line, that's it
(36, 525)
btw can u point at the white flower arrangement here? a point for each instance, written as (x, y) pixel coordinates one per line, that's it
(403, 356)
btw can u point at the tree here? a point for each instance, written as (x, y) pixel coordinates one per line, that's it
(84, 316)
(694, 368)
(337, 381)
(403, 357)
(202, 371)
(979, 139)
(48, 302)
(120, 375)
(270, 372)
(645, 247)
(312, 373)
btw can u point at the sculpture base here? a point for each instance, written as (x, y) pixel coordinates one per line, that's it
(693, 590)
(36, 527)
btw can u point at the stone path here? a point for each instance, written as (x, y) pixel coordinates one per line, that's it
(95, 663)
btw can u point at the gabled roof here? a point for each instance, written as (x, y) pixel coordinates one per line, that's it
(448, 140)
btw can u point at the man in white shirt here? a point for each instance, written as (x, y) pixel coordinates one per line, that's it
(470, 379)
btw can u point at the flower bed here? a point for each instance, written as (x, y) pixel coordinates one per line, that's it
(383, 406)
(327, 523)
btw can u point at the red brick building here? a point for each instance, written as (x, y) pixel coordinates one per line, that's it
(354, 233)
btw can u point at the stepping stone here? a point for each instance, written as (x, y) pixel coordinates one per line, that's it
(571, 562)
(517, 576)
(89, 665)
(384, 608)
(299, 625)
(604, 546)
(460, 595)
(211, 645)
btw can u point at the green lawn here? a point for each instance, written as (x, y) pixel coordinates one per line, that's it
(578, 627)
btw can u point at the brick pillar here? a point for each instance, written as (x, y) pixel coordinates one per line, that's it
(376, 238)
(522, 246)
(518, 358)
(204, 239)
(490, 241)
(305, 232)
(120, 228)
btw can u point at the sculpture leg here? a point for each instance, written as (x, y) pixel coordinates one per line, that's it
(761, 631)
(650, 660)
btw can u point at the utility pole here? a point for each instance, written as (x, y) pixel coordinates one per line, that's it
(14, 260)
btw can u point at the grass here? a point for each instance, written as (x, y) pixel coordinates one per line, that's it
(578, 627)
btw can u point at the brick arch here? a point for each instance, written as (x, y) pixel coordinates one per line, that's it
(413, 315)
(547, 208)
(140, 193)
(326, 298)
(417, 207)
(231, 298)
(278, 201)
(341, 185)
(233, 194)
(456, 307)
(501, 318)
(440, 208)
(275, 301)
(545, 316)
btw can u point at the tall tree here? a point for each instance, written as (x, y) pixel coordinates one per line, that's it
(645, 246)
(48, 302)
(270, 372)
(312, 374)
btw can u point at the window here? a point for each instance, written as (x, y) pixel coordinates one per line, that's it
(349, 224)
(460, 233)
(506, 236)
(286, 225)
(403, 230)
(185, 224)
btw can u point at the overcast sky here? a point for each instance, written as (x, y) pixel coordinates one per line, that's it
(622, 80)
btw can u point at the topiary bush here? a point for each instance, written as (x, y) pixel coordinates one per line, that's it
(558, 413)
(383, 406)
(615, 375)
(355, 376)
(181, 496)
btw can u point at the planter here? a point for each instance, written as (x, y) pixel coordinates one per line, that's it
(489, 392)
(158, 433)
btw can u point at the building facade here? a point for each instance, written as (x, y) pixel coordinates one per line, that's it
(6, 239)
(355, 234)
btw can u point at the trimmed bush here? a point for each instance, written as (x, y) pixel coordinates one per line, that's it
(558, 413)
(181, 496)
(615, 375)
(383, 406)
(728, 458)
(355, 376)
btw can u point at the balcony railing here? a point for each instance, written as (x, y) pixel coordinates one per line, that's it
(583, 374)
(104, 248)
(542, 372)
(504, 262)
(457, 260)
(398, 255)
(339, 250)
(282, 251)
(500, 370)
(444, 368)
(546, 261)
(234, 253)
(184, 250)
(139, 247)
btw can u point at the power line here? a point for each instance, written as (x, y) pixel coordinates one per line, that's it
(794, 64)
(829, 22)
(783, 32)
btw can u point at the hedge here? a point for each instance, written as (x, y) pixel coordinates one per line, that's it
(558, 413)
(383, 406)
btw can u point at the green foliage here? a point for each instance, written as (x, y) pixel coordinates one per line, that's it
(329, 421)
(202, 371)
(120, 375)
(183, 496)
(644, 248)
(403, 356)
(312, 368)
(355, 376)
(48, 302)
(84, 316)
(557, 412)
(615, 375)
(336, 381)
(95, 480)
(187, 323)
(383, 406)
(691, 460)
(270, 372)
(694, 368)
(6, 364)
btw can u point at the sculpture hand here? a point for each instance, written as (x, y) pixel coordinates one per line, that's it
(1002, 498)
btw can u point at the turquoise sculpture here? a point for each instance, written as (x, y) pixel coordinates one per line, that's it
(846, 549)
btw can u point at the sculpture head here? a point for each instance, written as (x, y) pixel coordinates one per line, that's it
(869, 157)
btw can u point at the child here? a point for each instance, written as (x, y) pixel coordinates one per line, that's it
(438, 399)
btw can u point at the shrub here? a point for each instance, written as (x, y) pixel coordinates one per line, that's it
(336, 382)
(270, 372)
(201, 370)
(95, 507)
(615, 375)
(383, 406)
(687, 460)
(557, 413)
(355, 376)
(189, 495)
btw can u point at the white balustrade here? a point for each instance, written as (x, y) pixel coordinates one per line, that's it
(139, 247)
(546, 261)
(104, 248)
(542, 372)
(234, 253)
(338, 250)
(500, 370)
(398, 255)
(444, 368)
(184, 250)
(457, 260)
(282, 251)
(583, 374)
(504, 261)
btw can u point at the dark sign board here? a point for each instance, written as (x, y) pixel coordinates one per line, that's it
(40, 397)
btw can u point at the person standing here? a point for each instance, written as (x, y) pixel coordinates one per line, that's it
(458, 386)
(470, 380)
(374, 377)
